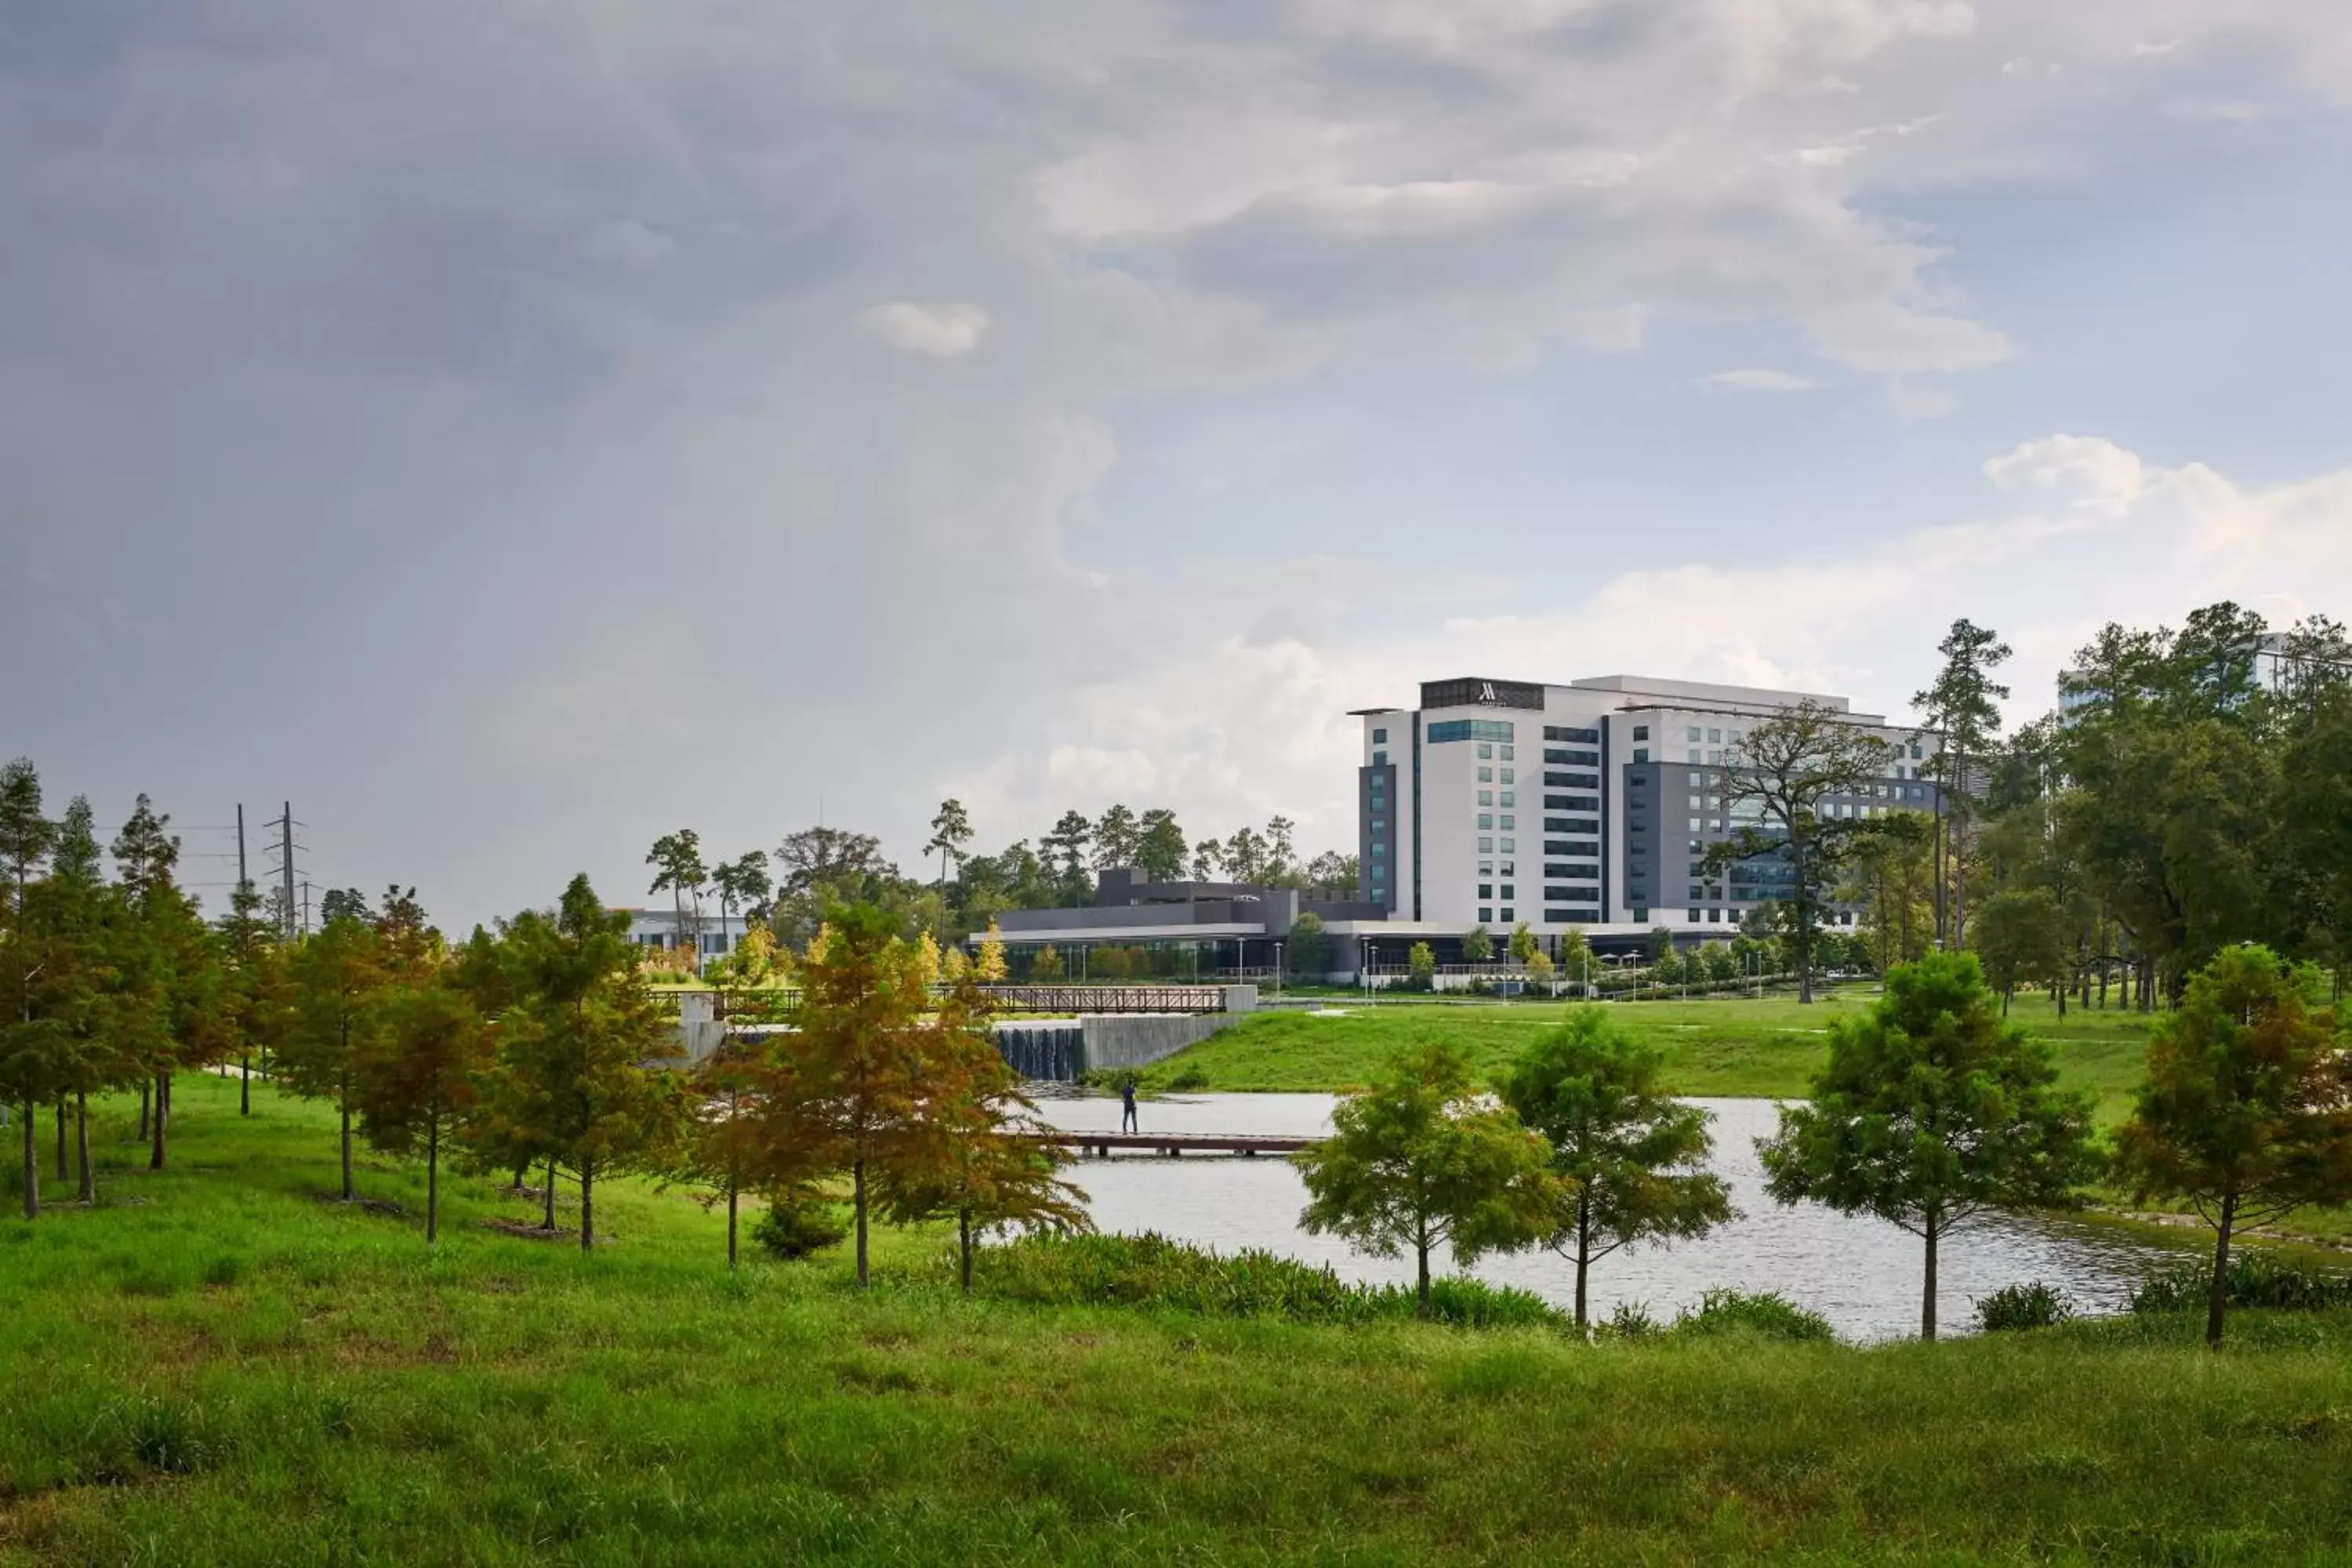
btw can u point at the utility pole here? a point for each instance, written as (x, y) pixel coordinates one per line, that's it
(305, 908)
(286, 872)
(242, 882)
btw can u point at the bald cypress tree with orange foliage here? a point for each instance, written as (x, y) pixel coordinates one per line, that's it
(848, 1092)
(977, 1149)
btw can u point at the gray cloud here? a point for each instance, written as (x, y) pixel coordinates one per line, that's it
(467, 418)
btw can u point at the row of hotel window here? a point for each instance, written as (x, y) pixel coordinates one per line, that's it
(1488, 914)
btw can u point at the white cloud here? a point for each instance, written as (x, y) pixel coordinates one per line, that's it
(2104, 535)
(941, 332)
(1760, 380)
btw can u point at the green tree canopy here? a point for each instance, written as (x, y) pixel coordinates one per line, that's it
(337, 976)
(577, 1080)
(1423, 1158)
(2247, 1110)
(1931, 1112)
(1630, 1156)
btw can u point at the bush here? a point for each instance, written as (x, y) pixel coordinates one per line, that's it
(2029, 1306)
(1631, 1320)
(1188, 1077)
(2254, 1279)
(791, 1229)
(1151, 1271)
(1766, 1315)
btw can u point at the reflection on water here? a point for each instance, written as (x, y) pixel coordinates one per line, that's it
(1862, 1274)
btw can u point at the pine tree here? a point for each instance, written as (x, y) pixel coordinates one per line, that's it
(849, 1095)
(1930, 1113)
(572, 1082)
(2247, 1109)
(337, 978)
(419, 1074)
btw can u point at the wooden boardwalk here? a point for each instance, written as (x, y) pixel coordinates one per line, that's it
(1173, 1145)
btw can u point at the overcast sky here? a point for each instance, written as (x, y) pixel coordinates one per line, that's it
(514, 430)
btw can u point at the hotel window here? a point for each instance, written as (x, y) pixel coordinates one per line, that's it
(1641, 753)
(1694, 756)
(1487, 819)
(1485, 798)
(1509, 822)
(1379, 737)
(1507, 915)
(1486, 846)
(1485, 775)
(1693, 917)
(1715, 917)
(1698, 803)
(1506, 893)
(1511, 776)
(1715, 758)
(1484, 915)
(1693, 733)
(1508, 868)
(1509, 754)
(1509, 798)
(1714, 737)
(1486, 752)
(1641, 731)
(1506, 845)
(1486, 889)
(1698, 824)
(1485, 868)
(1379, 758)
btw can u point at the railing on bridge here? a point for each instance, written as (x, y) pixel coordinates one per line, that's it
(1078, 999)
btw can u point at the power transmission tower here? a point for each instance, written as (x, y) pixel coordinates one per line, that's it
(293, 920)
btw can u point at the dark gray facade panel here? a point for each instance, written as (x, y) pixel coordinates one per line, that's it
(1377, 846)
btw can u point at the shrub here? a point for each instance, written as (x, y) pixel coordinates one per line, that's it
(1151, 1270)
(2033, 1305)
(2254, 1279)
(1631, 1320)
(1766, 1315)
(791, 1229)
(1188, 1077)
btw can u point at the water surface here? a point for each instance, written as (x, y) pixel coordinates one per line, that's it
(1862, 1274)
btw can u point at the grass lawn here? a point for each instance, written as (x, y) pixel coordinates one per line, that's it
(1726, 1045)
(215, 1366)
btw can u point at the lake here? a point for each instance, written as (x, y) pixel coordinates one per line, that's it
(1862, 1274)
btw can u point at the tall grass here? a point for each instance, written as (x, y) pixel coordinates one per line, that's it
(216, 1367)
(1151, 1271)
(2254, 1279)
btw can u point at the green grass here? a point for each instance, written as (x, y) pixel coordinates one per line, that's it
(1731, 1046)
(215, 1366)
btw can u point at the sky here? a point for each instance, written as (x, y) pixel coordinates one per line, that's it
(513, 431)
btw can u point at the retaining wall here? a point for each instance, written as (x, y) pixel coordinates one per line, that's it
(1135, 1040)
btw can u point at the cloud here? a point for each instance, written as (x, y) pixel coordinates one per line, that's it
(941, 332)
(1853, 613)
(510, 476)
(1759, 380)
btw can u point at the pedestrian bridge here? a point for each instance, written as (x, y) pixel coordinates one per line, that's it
(1100, 1145)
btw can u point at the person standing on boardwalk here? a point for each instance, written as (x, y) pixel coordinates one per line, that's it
(1126, 1106)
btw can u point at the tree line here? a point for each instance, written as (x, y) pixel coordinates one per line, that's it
(535, 1046)
(1932, 1113)
(2187, 795)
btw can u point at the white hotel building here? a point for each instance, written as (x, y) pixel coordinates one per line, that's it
(1498, 803)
